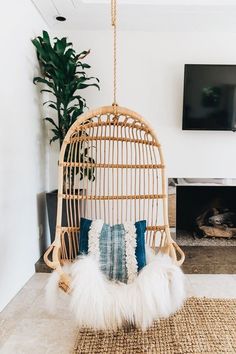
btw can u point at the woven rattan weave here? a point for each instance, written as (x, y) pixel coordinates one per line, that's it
(121, 161)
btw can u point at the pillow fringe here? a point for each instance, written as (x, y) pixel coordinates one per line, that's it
(93, 239)
(130, 246)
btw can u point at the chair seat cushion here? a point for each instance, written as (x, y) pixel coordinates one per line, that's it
(120, 249)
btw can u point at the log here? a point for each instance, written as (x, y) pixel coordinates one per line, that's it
(211, 231)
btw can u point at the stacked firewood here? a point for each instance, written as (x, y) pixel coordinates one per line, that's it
(216, 222)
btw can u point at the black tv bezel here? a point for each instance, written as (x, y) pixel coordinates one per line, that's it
(184, 98)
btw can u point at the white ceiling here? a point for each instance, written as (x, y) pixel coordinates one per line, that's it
(146, 15)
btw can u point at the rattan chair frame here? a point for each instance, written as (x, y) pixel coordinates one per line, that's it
(127, 160)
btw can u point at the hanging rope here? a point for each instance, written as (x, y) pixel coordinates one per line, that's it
(113, 22)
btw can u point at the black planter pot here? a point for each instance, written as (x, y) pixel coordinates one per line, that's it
(51, 199)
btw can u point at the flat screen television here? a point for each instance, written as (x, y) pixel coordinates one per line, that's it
(209, 97)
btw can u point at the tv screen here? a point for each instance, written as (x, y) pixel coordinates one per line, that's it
(209, 97)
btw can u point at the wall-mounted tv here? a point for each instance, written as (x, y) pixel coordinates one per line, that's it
(209, 97)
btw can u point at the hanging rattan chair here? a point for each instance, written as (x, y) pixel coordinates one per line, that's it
(111, 167)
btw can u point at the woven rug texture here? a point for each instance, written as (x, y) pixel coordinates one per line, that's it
(202, 326)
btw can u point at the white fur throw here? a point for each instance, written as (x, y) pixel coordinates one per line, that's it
(158, 291)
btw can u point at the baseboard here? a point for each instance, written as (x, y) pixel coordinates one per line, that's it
(41, 266)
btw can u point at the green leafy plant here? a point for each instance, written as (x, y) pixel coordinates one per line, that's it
(64, 75)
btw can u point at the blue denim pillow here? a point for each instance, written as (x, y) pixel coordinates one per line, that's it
(140, 248)
(83, 237)
(112, 246)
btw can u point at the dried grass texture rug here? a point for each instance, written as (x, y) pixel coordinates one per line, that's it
(201, 326)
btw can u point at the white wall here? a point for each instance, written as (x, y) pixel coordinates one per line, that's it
(22, 149)
(150, 81)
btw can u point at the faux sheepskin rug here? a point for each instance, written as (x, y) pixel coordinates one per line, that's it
(157, 292)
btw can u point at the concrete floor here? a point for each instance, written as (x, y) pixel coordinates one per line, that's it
(27, 328)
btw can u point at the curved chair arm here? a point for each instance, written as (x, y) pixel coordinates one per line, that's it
(65, 280)
(49, 263)
(172, 249)
(179, 251)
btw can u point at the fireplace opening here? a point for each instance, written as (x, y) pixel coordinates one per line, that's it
(206, 211)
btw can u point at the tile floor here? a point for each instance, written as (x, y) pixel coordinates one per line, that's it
(27, 328)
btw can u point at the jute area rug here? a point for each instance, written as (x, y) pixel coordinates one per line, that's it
(201, 326)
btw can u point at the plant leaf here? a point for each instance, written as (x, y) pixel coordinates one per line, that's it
(46, 37)
(83, 86)
(83, 54)
(43, 81)
(46, 91)
(51, 121)
(48, 102)
(64, 73)
(54, 138)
